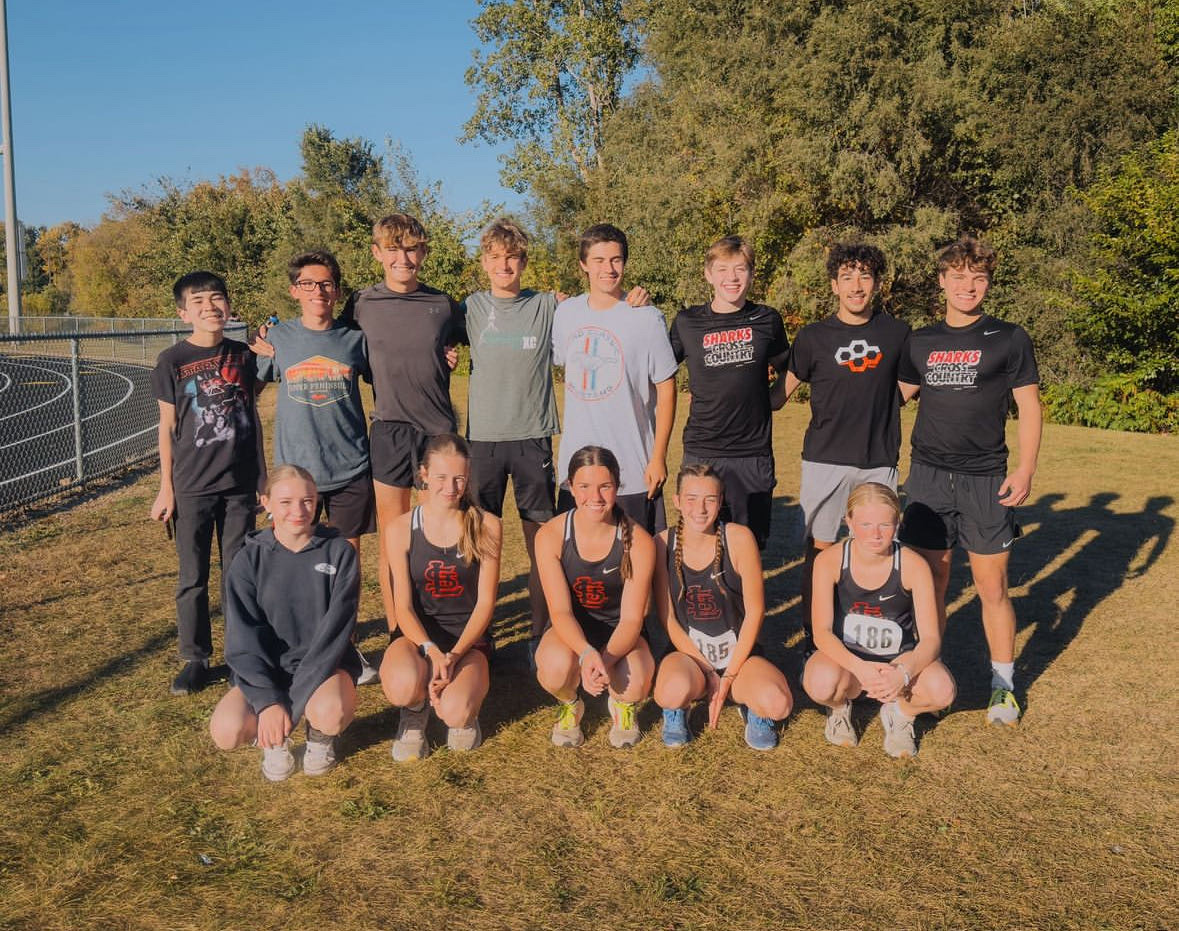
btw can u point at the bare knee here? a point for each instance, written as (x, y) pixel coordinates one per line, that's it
(673, 686)
(230, 732)
(821, 684)
(330, 710)
(401, 674)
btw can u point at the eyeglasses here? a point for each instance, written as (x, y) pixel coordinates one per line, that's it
(306, 284)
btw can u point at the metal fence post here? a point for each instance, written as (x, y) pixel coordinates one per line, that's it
(77, 391)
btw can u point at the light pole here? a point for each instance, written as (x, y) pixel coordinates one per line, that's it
(12, 244)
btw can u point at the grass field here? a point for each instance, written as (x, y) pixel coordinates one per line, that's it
(118, 812)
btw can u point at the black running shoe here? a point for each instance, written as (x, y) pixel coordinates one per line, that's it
(192, 678)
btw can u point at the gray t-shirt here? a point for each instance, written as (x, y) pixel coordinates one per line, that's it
(319, 423)
(613, 359)
(407, 339)
(511, 390)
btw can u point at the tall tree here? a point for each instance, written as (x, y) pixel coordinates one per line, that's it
(549, 74)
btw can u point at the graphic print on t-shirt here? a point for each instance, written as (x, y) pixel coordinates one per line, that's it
(590, 592)
(858, 356)
(442, 579)
(728, 347)
(594, 365)
(953, 368)
(219, 399)
(318, 381)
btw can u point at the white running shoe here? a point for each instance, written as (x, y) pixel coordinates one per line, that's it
(464, 738)
(368, 672)
(899, 741)
(840, 730)
(319, 754)
(410, 743)
(278, 762)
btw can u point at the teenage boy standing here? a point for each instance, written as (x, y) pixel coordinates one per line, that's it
(960, 492)
(727, 345)
(319, 422)
(211, 462)
(619, 379)
(408, 327)
(850, 361)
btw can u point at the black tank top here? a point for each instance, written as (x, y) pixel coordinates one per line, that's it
(710, 608)
(875, 624)
(444, 589)
(595, 587)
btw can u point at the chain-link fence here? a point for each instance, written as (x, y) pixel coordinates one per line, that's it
(62, 325)
(74, 407)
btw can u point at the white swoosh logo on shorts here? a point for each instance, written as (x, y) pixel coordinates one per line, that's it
(608, 571)
(1008, 543)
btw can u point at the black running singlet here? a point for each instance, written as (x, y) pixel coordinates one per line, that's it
(445, 590)
(710, 608)
(875, 624)
(595, 588)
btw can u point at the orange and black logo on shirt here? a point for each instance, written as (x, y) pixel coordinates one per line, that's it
(590, 592)
(442, 580)
(701, 604)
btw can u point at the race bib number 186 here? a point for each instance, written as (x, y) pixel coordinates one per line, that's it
(876, 635)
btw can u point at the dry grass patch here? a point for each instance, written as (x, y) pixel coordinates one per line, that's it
(119, 813)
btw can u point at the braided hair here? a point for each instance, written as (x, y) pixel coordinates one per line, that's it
(600, 456)
(698, 470)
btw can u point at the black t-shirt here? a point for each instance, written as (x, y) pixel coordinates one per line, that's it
(214, 449)
(966, 376)
(855, 403)
(407, 337)
(727, 356)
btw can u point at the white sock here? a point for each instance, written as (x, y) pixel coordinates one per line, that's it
(1003, 675)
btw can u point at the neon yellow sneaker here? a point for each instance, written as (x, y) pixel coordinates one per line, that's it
(624, 730)
(1003, 708)
(567, 730)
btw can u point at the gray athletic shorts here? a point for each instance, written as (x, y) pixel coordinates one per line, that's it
(824, 492)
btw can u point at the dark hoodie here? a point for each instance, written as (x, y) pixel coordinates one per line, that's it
(289, 617)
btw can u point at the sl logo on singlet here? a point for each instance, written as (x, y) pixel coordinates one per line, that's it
(590, 593)
(701, 604)
(858, 355)
(866, 609)
(442, 580)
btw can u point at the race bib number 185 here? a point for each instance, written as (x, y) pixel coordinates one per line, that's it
(717, 650)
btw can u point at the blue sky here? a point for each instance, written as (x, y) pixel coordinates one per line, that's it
(112, 94)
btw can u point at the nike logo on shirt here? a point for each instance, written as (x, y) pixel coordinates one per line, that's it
(614, 569)
(886, 597)
(990, 332)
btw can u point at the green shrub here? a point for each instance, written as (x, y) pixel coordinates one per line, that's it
(1114, 402)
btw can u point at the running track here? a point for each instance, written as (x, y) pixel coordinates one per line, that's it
(119, 417)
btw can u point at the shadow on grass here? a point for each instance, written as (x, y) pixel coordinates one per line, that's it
(24, 708)
(1071, 561)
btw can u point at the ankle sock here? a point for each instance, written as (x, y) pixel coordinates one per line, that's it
(1003, 675)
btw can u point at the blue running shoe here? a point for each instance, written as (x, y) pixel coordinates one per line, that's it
(675, 727)
(760, 733)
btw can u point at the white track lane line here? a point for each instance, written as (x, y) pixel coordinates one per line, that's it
(64, 391)
(70, 426)
(71, 461)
